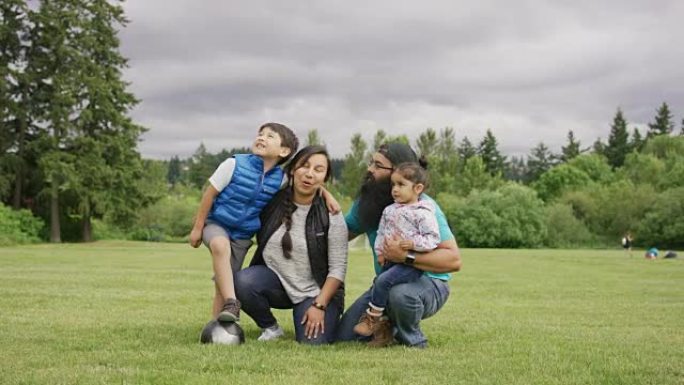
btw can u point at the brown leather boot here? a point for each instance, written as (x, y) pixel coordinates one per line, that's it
(383, 335)
(368, 324)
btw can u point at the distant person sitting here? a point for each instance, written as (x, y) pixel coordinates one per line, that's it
(669, 254)
(651, 253)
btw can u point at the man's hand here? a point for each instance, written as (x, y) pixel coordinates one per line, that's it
(392, 250)
(406, 244)
(195, 237)
(330, 201)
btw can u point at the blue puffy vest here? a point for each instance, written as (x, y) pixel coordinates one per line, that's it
(238, 205)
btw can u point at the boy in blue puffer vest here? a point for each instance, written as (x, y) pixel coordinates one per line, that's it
(228, 215)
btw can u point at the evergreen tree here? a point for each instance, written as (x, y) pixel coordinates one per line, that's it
(663, 124)
(682, 131)
(598, 147)
(516, 170)
(539, 161)
(637, 142)
(312, 138)
(618, 141)
(571, 150)
(355, 166)
(201, 166)
(173, 174)
(109, 166)
(15, 91)
(379, 139)
(444, 167)
(426, 144)
(58, 67)
(489, 152)
(466, 150)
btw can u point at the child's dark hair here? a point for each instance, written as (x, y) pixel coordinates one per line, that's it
(415, 172)
(287, 138)
(302, 156)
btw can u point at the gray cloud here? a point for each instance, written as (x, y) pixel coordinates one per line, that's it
(212, 72)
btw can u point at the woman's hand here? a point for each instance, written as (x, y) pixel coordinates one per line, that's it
(314, 319)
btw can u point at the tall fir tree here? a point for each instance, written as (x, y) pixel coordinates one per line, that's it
(598, 147)
(663, 124)
(108, 162)
(312, 138)
(571, 149)
(444, 168)
(540, 160)
(355, 166)
(58, 65)
(618, 141)
(516, 170)
(174, 171)
(426, 144)
(15, 98)
(637, 141)
(466, 150)
(488, 150)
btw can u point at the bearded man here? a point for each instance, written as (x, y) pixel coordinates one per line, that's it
(411, 302)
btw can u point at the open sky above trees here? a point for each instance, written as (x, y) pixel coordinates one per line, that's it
(214, 71)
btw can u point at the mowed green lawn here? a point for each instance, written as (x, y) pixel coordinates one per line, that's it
(131, 313)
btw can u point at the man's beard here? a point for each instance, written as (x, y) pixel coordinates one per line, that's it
(374, 196)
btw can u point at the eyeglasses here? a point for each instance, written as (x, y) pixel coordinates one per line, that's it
(378, 165)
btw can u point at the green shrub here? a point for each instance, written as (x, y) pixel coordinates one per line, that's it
(169, 219)
(564, 229)
(662, 226)
(511, 216)
(18, 227)
(560, 179)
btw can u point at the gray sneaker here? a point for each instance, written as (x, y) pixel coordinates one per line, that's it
(272, 333)
(230, 311)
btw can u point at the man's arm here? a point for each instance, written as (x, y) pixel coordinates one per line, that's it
(446, 258)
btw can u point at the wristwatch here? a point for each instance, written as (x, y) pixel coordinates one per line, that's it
(410, 258)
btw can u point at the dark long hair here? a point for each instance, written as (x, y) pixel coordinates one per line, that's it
(297, 161)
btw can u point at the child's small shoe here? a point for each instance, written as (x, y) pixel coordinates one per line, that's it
(368, 324)
(230, 311)
(383, 335)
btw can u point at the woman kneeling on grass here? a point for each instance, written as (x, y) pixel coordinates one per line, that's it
(301, 259)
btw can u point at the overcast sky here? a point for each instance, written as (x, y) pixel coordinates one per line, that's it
(214, 71)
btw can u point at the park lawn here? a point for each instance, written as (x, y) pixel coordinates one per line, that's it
(131, 313)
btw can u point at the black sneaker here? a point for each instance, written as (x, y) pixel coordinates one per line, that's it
(230, 311)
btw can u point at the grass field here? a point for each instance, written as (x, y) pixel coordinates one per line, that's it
(131, 313)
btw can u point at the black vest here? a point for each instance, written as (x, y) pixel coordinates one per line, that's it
(317, 225)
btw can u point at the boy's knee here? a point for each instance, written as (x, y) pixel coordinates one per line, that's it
(219, 246)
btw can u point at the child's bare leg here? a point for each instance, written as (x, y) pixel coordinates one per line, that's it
(220, 253)
(218, 302)
(223, 276)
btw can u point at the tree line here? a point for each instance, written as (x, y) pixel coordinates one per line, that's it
(70, 169)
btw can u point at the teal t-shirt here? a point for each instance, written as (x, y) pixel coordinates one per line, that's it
(445, 233)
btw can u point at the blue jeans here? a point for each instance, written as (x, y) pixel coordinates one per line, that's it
(391, 275)
(408, 304)
(259, 289)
